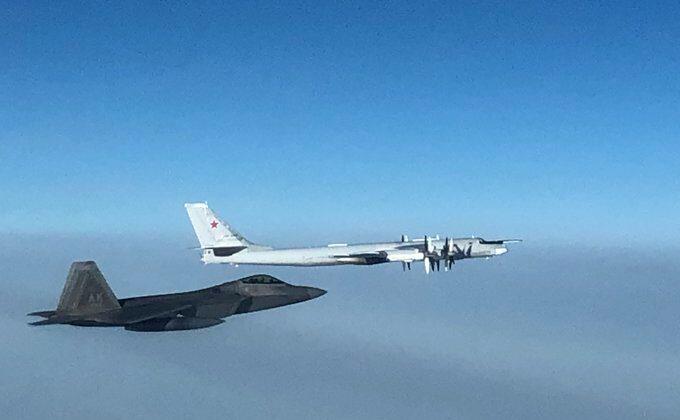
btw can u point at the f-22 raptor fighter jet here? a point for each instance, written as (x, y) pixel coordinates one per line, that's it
(88, 301)
(221, 244)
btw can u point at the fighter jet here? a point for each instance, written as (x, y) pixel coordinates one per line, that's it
(221, 244)
(88, 301)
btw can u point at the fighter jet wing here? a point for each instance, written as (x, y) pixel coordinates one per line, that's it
(141, 313)
(129, 315)
(137, 313)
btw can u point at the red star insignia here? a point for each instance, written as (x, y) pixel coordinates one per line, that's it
(213, 224)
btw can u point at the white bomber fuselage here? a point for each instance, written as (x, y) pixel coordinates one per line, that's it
(348, 254)
(221, 244)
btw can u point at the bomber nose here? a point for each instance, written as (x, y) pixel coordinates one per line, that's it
(314, 293)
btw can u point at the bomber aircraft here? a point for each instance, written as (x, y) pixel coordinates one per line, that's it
(221, 244)
(88, 301)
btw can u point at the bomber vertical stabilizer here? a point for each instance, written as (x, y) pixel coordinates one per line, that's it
(211, 231)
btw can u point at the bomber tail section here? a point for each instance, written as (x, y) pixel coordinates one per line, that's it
(216, 237)
(211, 231)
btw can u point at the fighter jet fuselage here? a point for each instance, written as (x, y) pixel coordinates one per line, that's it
(88, 301)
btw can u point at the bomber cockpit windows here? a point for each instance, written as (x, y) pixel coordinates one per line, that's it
(262, 279)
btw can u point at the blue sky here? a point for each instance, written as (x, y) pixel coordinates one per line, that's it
(533, 120)
(305, 124)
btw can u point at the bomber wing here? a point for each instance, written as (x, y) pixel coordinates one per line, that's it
(368, 258)
(383, 256)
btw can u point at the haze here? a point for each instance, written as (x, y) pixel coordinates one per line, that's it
(306, 124)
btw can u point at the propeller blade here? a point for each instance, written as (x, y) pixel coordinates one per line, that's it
(403, 266)
(428, 245)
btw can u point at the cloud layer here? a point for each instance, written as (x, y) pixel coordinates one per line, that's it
(538, 333)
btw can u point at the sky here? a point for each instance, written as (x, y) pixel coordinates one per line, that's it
(307, 123)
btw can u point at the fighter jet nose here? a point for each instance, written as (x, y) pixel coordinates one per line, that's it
(314, 293)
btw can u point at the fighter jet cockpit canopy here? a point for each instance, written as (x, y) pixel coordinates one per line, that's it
(261, 279)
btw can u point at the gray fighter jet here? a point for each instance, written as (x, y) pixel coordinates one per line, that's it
(87, 300)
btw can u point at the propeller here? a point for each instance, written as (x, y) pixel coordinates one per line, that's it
(429, 256)
(448, 254)
(427, 245)
(464, 252)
